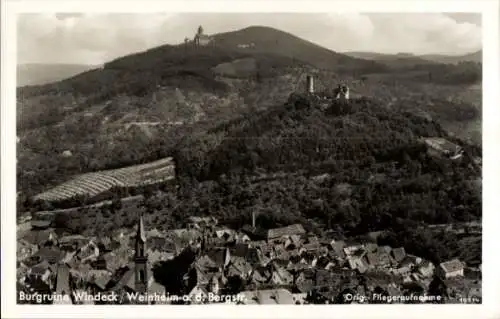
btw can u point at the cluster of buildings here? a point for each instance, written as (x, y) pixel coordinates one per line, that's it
(278, 266)
(441, 147)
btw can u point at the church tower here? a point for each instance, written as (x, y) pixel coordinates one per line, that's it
(141, 259)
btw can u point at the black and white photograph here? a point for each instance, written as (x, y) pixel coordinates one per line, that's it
(239, 158)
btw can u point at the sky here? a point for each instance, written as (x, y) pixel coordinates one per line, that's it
(82, 38)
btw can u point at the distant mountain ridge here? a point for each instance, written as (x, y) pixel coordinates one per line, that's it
(435, 58)
(40, 73)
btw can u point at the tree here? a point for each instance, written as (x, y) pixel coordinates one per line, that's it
(234, 285)
(62, 221)
(438, 288)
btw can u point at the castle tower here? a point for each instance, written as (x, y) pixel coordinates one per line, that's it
(310, 84)
(342, 92)
(141, 259)
(253, 220)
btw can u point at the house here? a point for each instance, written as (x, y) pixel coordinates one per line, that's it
(351, 248)
(72, 242)
(100, 279)
(371, 247)
(155, 256)
(62, 285)
(393, 290)
(338, 248)
(384, 259)
(202, 222)
(42, 271)
(280, 276)
(127, 281)
(426, 269)
(241, 237)
(440, 146)
(278, 233)
(51, 254)
(220, 257)
(451, 268)
(306, 280)
(89, 252)
(226, 234)
(198, 295)
(299, 298)
(372, 259)
(42, 238)
(358, 261)
(322, 262)
(398, 254)
(402, 270)
(384, 249)
(238, 266)
(187, 236)
(310, 247)
(293, 242)
(259, 276)
(40, 224)
(244, 250)
(205, 262)
(25, 250)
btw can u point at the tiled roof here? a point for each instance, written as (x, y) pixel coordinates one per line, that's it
(161, 244)
(383, 258)
(296, 229)
(372, 258)
(398, 254)
(39, 236)
(219, 256)
(240, 250)
(384, 249)
(452, 265)
(41, 223)
(206, 262)
(371, 247)
(41, 268)
(442, 144)
(338, 248)
(102, 279)
(51, 254)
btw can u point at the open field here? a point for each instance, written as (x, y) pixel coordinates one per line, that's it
(92, 184)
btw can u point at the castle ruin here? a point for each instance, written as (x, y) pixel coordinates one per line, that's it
(201, 39)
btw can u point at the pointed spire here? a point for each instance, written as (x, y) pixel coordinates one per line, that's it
(140, 230)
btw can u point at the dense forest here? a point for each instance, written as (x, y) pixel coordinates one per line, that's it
(349, 167)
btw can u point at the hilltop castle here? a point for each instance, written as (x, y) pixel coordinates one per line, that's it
(201, 39)
(341, 92)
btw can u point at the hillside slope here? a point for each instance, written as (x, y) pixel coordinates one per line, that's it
(272, 41)
(471, 57)
(138, 108)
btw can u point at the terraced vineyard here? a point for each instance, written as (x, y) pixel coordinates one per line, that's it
(92, 184)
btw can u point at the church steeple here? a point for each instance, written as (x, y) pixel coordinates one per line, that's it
(141, 259)
(141, 234)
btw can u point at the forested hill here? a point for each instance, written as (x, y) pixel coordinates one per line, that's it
(136, 108)
(360, 166)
